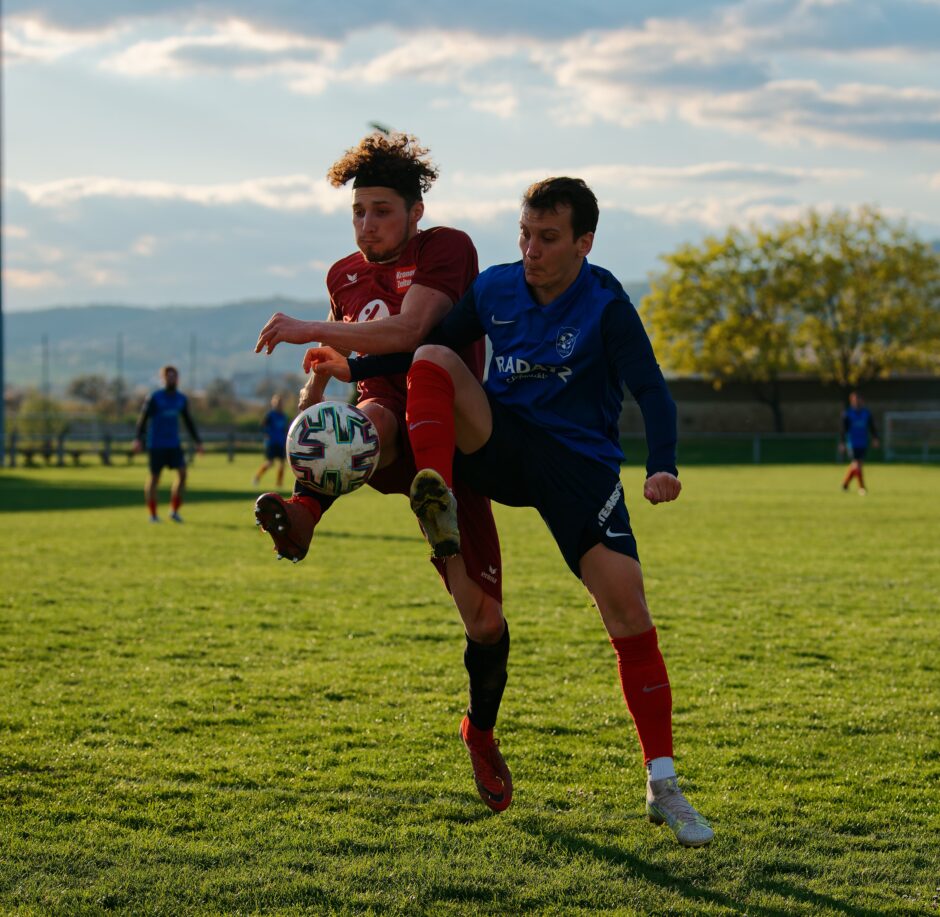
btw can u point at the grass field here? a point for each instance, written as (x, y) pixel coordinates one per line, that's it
(189, 727)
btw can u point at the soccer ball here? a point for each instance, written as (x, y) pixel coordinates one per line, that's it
(332, 447)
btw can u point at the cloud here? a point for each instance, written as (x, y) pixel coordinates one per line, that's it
(234, 46)
(792, 110)
(145, 246)
(17, 279)
(285, 193)
(716, 212)
(728, 65)
(339, 19)
(640, 176)
(31, 40)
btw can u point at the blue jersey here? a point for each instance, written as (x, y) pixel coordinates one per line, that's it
(563, 365)
(857, 424)
(275, 428)
(163, 411)
(547, 360)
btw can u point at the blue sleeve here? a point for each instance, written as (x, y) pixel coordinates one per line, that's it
(631, 358)
(459, 328)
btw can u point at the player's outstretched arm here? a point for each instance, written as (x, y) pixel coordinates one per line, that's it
(283, 329)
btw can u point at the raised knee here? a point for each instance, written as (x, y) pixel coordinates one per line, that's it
(435, 353)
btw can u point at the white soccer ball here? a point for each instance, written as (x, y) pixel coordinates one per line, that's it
(332, 447)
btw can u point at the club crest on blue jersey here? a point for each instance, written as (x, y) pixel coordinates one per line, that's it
(564, 343)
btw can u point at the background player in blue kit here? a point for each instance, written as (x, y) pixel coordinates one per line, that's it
(543, 432)
(275, 426)
(858, 429)
(163, 410)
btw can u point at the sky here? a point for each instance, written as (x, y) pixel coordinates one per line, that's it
(162, 152)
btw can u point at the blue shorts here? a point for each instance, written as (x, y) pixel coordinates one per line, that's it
(275, 451)
(857, 452)
(166, 458)
(580, 499)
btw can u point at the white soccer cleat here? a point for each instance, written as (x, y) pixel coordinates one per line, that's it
(666, 804)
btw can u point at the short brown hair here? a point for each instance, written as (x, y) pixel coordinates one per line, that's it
(552, 193)
(168, 369)
(387, 160)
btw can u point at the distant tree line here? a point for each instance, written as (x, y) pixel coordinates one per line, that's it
(845, 297)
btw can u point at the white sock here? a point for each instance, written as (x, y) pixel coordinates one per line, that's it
(660, 768)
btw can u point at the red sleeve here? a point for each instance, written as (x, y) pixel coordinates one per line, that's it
(447, 261)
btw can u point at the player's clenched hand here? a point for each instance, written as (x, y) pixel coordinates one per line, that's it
(282, 328)
(661, 487)
(325, 361)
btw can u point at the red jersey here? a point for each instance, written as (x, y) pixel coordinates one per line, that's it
(440, 258)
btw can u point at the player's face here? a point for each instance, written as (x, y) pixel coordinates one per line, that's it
(551, 255)
(383, 224)
(170, 380)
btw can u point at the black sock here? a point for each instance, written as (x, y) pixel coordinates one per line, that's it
(301, 490)
(486, 665)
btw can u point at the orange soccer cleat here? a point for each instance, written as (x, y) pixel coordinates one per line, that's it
(490, 773)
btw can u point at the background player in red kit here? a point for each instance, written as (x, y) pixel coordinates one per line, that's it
(385, 298)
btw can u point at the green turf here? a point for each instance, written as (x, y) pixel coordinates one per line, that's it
(189, 727)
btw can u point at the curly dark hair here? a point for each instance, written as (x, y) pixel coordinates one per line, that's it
(389, 160)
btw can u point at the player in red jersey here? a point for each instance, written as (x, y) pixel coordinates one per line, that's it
(385, 298)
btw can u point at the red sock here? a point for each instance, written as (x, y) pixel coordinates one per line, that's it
(152, 506)
(646, 690)
(430, 417)
(176, 501)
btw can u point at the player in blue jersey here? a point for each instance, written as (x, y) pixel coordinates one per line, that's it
(542, 431)
(275, 426)
(163, 411)
(858, 429)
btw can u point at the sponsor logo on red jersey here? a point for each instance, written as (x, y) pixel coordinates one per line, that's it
(403, 278)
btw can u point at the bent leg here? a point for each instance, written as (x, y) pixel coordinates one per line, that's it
(447, 408)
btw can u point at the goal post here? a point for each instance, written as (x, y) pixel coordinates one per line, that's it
(912, 436)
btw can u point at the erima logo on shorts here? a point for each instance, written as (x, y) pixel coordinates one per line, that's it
(517, 368)
(608, 507)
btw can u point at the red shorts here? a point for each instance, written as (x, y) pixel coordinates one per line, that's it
(479, 542)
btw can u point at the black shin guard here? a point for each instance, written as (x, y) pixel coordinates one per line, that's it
(486, 665)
